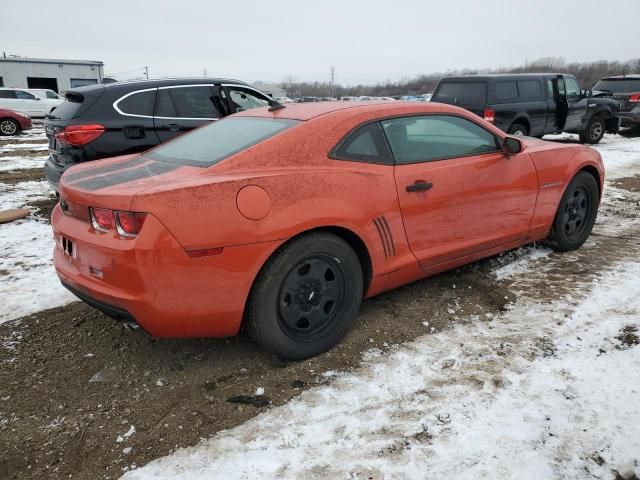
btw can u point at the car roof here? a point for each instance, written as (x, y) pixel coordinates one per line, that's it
(633, 76)
(310, 110)
(154, 83)
(489, 76)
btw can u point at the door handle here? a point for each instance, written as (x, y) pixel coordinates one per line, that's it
(419, 186)
(174, 127)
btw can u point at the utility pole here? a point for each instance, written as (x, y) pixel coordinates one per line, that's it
(146, 72)
(333, 71)
(204, 73)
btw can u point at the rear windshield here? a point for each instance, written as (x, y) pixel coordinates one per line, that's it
(213, 143)
(67, 109)
(619, 86)
(461, 93)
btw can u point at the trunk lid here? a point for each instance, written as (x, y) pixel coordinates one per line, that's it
(113, 183)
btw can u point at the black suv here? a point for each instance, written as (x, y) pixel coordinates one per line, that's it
(532, 104)
(100, 121)
(626, 90)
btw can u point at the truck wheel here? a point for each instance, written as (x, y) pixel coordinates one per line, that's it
(518, 130)
(8, 126)
(576, 213)
(306, 297)
(594, 131)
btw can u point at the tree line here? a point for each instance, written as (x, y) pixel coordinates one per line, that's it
(587, 74)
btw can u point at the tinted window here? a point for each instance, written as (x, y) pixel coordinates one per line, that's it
(529, 89)
(187, 102)
(506, 90)
(165, 106)
(209, 145)
(22, 95)
(619, 86)
(7, 94)
(244, 100)
(461, 93)
(140, 103)
(435, 137)
(573, 89)
(365, 144)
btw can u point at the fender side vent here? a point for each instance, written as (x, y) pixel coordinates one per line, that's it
(386, 238)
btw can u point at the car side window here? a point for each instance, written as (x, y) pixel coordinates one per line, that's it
(529, 89)
(573, 89)
(52, 95)
(364, 145)
(186, 102)
(506, 90)
(7, 94)
(22, 95)
(138, 103)
(244, 100)
(436, 137)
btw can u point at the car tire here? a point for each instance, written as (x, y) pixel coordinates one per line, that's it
(306, 297)
(576, 213)
(594, 131)
(8, 126)
(518, 130)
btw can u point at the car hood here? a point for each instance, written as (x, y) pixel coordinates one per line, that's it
(113, 183)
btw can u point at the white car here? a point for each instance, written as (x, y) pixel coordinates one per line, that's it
(31, 102)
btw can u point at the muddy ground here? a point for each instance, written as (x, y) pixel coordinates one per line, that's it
(73, 382)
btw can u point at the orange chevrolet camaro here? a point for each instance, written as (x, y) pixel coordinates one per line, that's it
(282, 220)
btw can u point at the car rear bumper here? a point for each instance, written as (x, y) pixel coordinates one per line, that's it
(53, 172)
(152, 280)
(631, 118)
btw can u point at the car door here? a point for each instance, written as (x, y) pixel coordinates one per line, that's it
(181, 108)
(556, 117)
(459, 192)
(577, 104)
(134, 130)
(30, 104)
(240, 98)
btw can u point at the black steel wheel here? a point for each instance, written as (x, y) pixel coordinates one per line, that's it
(576, 213)
(305, 297)
(8, 126)
(594, 131)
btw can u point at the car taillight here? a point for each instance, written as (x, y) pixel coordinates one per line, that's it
(102, 219)
(79, 134)
(130, 223)
(489, 115)
(634, 97)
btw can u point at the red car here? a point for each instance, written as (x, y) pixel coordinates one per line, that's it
(12, 123)
(283, 220)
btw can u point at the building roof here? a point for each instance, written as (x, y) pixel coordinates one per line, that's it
(50, 60)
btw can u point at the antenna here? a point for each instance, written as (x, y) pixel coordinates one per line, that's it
(333, 72)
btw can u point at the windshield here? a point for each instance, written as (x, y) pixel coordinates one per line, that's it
(213, 143)
(619, 86)
(461, 93)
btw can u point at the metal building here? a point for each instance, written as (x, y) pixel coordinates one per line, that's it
(55, 74)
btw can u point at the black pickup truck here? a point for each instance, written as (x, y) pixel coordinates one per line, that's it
(533, 104)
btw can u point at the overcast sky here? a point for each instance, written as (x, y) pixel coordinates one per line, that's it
(367, 41)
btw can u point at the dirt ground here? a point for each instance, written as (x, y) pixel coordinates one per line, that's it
(73, 382)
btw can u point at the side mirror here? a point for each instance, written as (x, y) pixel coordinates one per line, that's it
(512, 145)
